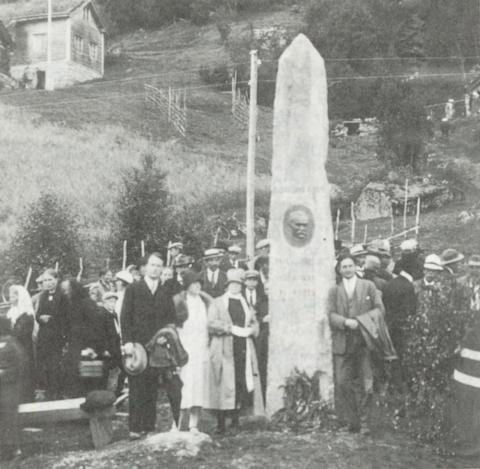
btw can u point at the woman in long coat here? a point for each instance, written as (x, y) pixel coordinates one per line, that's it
(191, 307)
(52, 334)
(234, 382)
(22, 321)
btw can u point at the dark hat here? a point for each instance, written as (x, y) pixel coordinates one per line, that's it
(221, 246)
(189, 277)
(183, 261)
(136, 362)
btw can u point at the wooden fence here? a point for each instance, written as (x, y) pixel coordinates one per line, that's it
(171, 103)
(240, 105)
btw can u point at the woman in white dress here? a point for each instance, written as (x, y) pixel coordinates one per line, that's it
(192, 306)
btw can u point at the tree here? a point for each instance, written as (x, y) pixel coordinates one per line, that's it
(143, 209)
(46, 234)
(146, 211)
(403, 123)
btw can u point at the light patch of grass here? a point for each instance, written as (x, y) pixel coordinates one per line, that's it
(84, 166)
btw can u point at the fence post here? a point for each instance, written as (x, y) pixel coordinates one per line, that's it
(169, 115)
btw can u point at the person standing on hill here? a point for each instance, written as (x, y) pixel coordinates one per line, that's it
(52, 334)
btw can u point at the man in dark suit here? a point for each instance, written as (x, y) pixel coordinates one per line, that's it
(214, 280)
(232, 261)
(147, 307)
(352, 297)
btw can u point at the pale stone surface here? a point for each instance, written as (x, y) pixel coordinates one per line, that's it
(302, 257)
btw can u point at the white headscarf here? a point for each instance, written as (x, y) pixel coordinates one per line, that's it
(24, 305)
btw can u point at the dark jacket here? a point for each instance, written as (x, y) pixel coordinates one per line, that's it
(54, 334)
(106, 337)
(12, 360)
(400, 303)
(143, 314)
(214, 290)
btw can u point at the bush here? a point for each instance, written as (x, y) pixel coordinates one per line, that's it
(434, 334)
(46, 234)
(219, 75)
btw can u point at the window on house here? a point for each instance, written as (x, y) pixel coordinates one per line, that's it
(39, 44)
(93, 51)
(86, 14)
(78, 43)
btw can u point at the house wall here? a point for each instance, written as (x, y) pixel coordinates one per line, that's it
(82, 51)
(65, 73)
(28, 47)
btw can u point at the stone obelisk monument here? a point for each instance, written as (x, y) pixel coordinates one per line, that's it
(301, 234)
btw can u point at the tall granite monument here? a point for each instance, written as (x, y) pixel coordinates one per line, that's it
(301, 233)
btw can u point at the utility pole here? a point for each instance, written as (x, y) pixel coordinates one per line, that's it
(48, 72)
(252, 141)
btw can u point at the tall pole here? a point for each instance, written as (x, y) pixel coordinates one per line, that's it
(48, 74)
(252, 137)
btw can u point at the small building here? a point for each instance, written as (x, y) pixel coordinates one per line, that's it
(77, 41)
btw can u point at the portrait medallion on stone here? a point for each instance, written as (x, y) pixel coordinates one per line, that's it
(298, 225)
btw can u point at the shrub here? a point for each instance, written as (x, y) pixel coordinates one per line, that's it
(46, 234)
(219, 75)
(434, 334)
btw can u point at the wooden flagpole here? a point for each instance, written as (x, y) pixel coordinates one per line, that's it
(405, 206)
(124, 260)
(352, 216)
(29, 275)
(337, 224)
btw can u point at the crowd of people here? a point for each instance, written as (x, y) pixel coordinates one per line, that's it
(199, 330)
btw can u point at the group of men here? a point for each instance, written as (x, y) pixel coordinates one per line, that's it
(370, 307)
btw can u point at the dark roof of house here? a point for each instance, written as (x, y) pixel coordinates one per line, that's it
(34, 10)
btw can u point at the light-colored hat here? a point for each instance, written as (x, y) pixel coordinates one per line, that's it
(235, 275)
(379, 247)
(263, 243)
(39, 279)
(124, 276)
(252, 274)
(176, 245)
(358, 250)
(451, 100)
(450, 256)
(372, 262)
(409, 245)
(212, 253)
(235, 249)
(474, 260)
(136, 362)
(109, 294)
(433, 262)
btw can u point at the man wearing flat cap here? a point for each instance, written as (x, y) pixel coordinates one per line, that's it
(214, 280)
(232, 259)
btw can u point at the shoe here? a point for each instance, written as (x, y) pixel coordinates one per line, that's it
(132, 436)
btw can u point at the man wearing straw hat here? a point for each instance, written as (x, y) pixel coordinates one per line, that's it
(174, 251)
(232, 261)
(213, 279)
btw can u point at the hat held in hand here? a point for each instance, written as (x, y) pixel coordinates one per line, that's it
(136, 360)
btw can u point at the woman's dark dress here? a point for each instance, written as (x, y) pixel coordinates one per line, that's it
(22, 331)
(243, 398)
